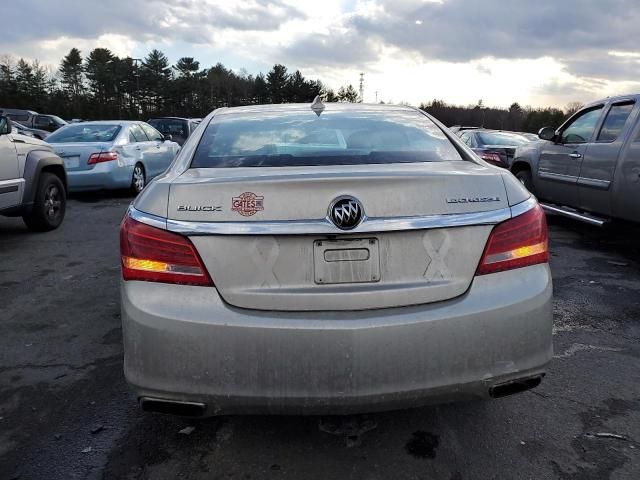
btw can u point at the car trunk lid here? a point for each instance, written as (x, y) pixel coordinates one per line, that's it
(308, 264)
(76, 155)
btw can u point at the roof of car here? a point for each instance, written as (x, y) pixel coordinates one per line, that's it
(329, 107)
(615, 98)
(122, 123)
(170, 118)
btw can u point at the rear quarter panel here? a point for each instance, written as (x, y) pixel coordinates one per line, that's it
(625, 193)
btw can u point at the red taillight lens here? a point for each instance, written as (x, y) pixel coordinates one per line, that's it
(519, 242)
(102, 157)
(493, 158)
(155, 255)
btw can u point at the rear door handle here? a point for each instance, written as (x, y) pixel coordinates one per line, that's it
(575, 155)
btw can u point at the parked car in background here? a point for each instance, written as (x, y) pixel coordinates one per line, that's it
(589, 168)
(32, 180)
(331, 258)
(459, 128)
(32, 119)
(17, 114)
(178, 128)
(494, 147)
(112, 154)
(29, 132)
(532, 137)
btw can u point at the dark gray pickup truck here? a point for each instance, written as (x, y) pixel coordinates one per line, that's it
(589, 168)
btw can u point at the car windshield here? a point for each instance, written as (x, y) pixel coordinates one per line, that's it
(299, 138)
(490, 138)
(85, 133)
(58, 120)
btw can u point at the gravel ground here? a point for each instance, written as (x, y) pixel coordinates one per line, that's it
(66, 412)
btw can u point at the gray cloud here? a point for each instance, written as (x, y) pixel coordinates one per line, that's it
(456, 30)
(332, 50)
(603, 65)
(186, 20)
(577, 33)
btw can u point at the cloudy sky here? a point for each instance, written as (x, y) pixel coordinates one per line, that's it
(536, 52)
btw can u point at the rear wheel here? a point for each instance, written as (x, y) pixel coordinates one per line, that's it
(50, 204)
(138, 180)
(524, 176)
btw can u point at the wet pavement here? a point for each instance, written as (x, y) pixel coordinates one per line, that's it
(66, 412)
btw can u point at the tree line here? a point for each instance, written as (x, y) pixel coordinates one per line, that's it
(105, 86)
(516, 118)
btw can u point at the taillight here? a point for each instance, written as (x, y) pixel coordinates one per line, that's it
(101, 157)
(491, 157)
(155, 255)
(516, 243)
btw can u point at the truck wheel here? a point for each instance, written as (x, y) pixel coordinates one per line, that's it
(138, 179)
(525, 179)
(50, 204)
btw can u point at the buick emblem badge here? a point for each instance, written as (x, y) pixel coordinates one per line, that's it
(346, 212)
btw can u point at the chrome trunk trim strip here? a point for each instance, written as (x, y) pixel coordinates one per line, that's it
(324, 226)
(147, 218)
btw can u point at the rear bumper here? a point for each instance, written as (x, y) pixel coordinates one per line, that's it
(103, 176)
(186, 344)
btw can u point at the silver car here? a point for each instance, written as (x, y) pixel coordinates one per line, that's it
(112, 154)
(331, 258)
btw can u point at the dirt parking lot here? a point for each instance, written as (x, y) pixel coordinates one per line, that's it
(66, 412)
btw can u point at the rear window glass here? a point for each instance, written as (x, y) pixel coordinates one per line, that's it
(169, 126)
(280, 139)
(613, 124)
(503, 139)
(82, 132)
(21, 117)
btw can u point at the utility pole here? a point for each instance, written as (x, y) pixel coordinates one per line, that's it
(361, 87)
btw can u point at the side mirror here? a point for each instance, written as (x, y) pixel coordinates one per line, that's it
(5, 125)
(547, 133)
(166, 137)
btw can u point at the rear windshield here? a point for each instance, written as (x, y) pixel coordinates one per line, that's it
(280, 139)
(501, 139)
(82, 132)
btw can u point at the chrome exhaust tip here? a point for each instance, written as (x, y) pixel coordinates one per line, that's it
(514, 386)
(172, 407)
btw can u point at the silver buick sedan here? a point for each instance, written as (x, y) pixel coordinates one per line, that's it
(331, 259)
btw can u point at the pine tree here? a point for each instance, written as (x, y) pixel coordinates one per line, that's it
(277, 80)
(72, 73)
(100, 69)
(348, 94)
(187, 66)
(155, 74)
(24, 83)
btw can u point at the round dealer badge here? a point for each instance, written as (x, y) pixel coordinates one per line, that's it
(247, 204)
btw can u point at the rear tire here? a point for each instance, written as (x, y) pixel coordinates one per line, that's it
(49, 206)
(138, 179)
(526, 179)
